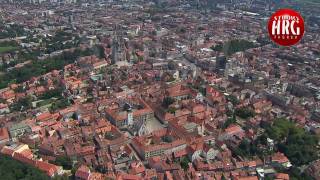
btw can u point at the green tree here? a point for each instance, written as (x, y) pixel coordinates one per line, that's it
(11, 169)
(244, 113)
(184, 163)
(234, 100)
(229, 121)
(64, 161)
(167, 101)
(167, 138)
(60, 104)
(22, 103)
(299, 146)
(171, 65)
(63, 177)
(109, 136)
(172, 110)
(39, 67)
(2, 100)
(52, 93)
(19, 89)
(233, 46)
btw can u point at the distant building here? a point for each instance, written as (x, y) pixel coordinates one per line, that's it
(157, 144)
(221, 62)
(129, 112)
(4, 135)
(18, 130)
(115, 51)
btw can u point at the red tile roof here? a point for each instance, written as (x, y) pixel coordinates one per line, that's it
(7, 151)
(233, 129)
(4, 135)
(279, 158)
(22, 158)
(44, 116)
(49, 169)
(282, 176)
(83, 172)
(247, 178)
(124, 176)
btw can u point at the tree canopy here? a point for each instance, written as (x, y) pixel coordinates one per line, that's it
(64, 161)
(22, 103)
(244, 113)
(39, 67)
(52, 93)
(167, 101)
(297, 144)
(11, 169)
(233, 46)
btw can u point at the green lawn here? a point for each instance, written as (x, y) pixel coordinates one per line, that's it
(45, 102)
(5, 49)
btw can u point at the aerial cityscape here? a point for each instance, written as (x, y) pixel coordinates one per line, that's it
(157, 90)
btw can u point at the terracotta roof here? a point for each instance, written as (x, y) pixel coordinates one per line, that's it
(100, 63)
(137, 168)
(124, 176)
(247, 178)
(4, 135)
(279, 158)
(27, 153)
(96, 176)
(233, 129)
(7, 94)
(282, 176)
(180, 153)
(7, 151)
(22, 158)
(3, 106)
(169, 175)
(48, 168)
(83, 172)
(44, 116)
